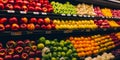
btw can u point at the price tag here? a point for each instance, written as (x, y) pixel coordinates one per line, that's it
(104, 29)
(103, 17)
(29, 32)
(16, 33)
(23, 12)
(84, 16)
(10, 11)
(48, 32)
(75, 15)
(93, 16)
(88, 15)
(87, 30)
(80, 15)
(115, 28)
(36, 13)
(44, 13)
(68, 31)
(63, 14)
(68, 14)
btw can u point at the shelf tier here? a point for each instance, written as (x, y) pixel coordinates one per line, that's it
(101, 3)
(80, 31)
(52, 15)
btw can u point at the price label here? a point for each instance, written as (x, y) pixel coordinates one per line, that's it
(80, 15)
(48, 32)
(44, 13)
(88, 15)
(104, 29)
(63, 14)
(115, 28)
(75, 15)
(84, 16)
(10, 11)
(68, 14)
(36, 13)
(16, 33)
(87, 30)
(93, 16)
(103, 17)
(29, 32)
(68, 31)
(23, 12)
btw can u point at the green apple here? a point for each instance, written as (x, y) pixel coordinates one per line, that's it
(41, 40)
(59, 48)
(53, 58)
(45, 57)
(52, 42)
(55, 48)
(65, 49)
(59, 54)
(62, 44)
(47, 42)
(74, 58)
(63, 54)
(40, 46)
(75, 54)
(54, 54)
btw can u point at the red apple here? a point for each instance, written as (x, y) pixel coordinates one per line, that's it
(24, 56)
(24, 20)
(8, 57)
(37, 26)
(8, 27)
(38, 53)
(20, 43)
(1, 58)
(43, 26)
(53, 26)
(34, 47)
(38, 8)
(37, 58)
(32, 54)
(31, 8)
(38, 4)
(32, 3)
(10, 51)
(27, 49)
(27, 42)
(32, 43)
(46, 2)
(4, 1)
(9, 7)
(1, 6)
(17, 7)
(2, 52)
(3, 20)
(31, 26)
(33, 20)
(44, 9)
(41, 1)
(24, 8)
(16, 57)
(19, 1)
(25, 2)
(11, 1)
(2, 28)
(44, 5)
(47, 20)
(50, 10)
(19, 49)
(40, 21)
(48, 27)
(31, 59)
(13, 20)
(23, 26)
(11, 44)
(15, 27)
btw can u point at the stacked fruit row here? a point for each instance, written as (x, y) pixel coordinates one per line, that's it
(57, 49)
(20, 50)
(24, 23)
(83, 9)
(84, 24)
(26, 5)
(87, 46)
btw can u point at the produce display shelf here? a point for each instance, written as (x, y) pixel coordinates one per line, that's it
(17, 33)
(52, 15)
(101, 3)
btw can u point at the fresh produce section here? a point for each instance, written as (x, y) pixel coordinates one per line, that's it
(59, 30)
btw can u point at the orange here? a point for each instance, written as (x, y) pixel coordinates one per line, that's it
(73, 42)
(89, 52)
(95, 51)
(81, 54)
(71, 38)
(75, 46)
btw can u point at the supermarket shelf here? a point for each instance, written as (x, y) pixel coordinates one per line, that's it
(101, 3)
(52, 15)
(18, 33)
